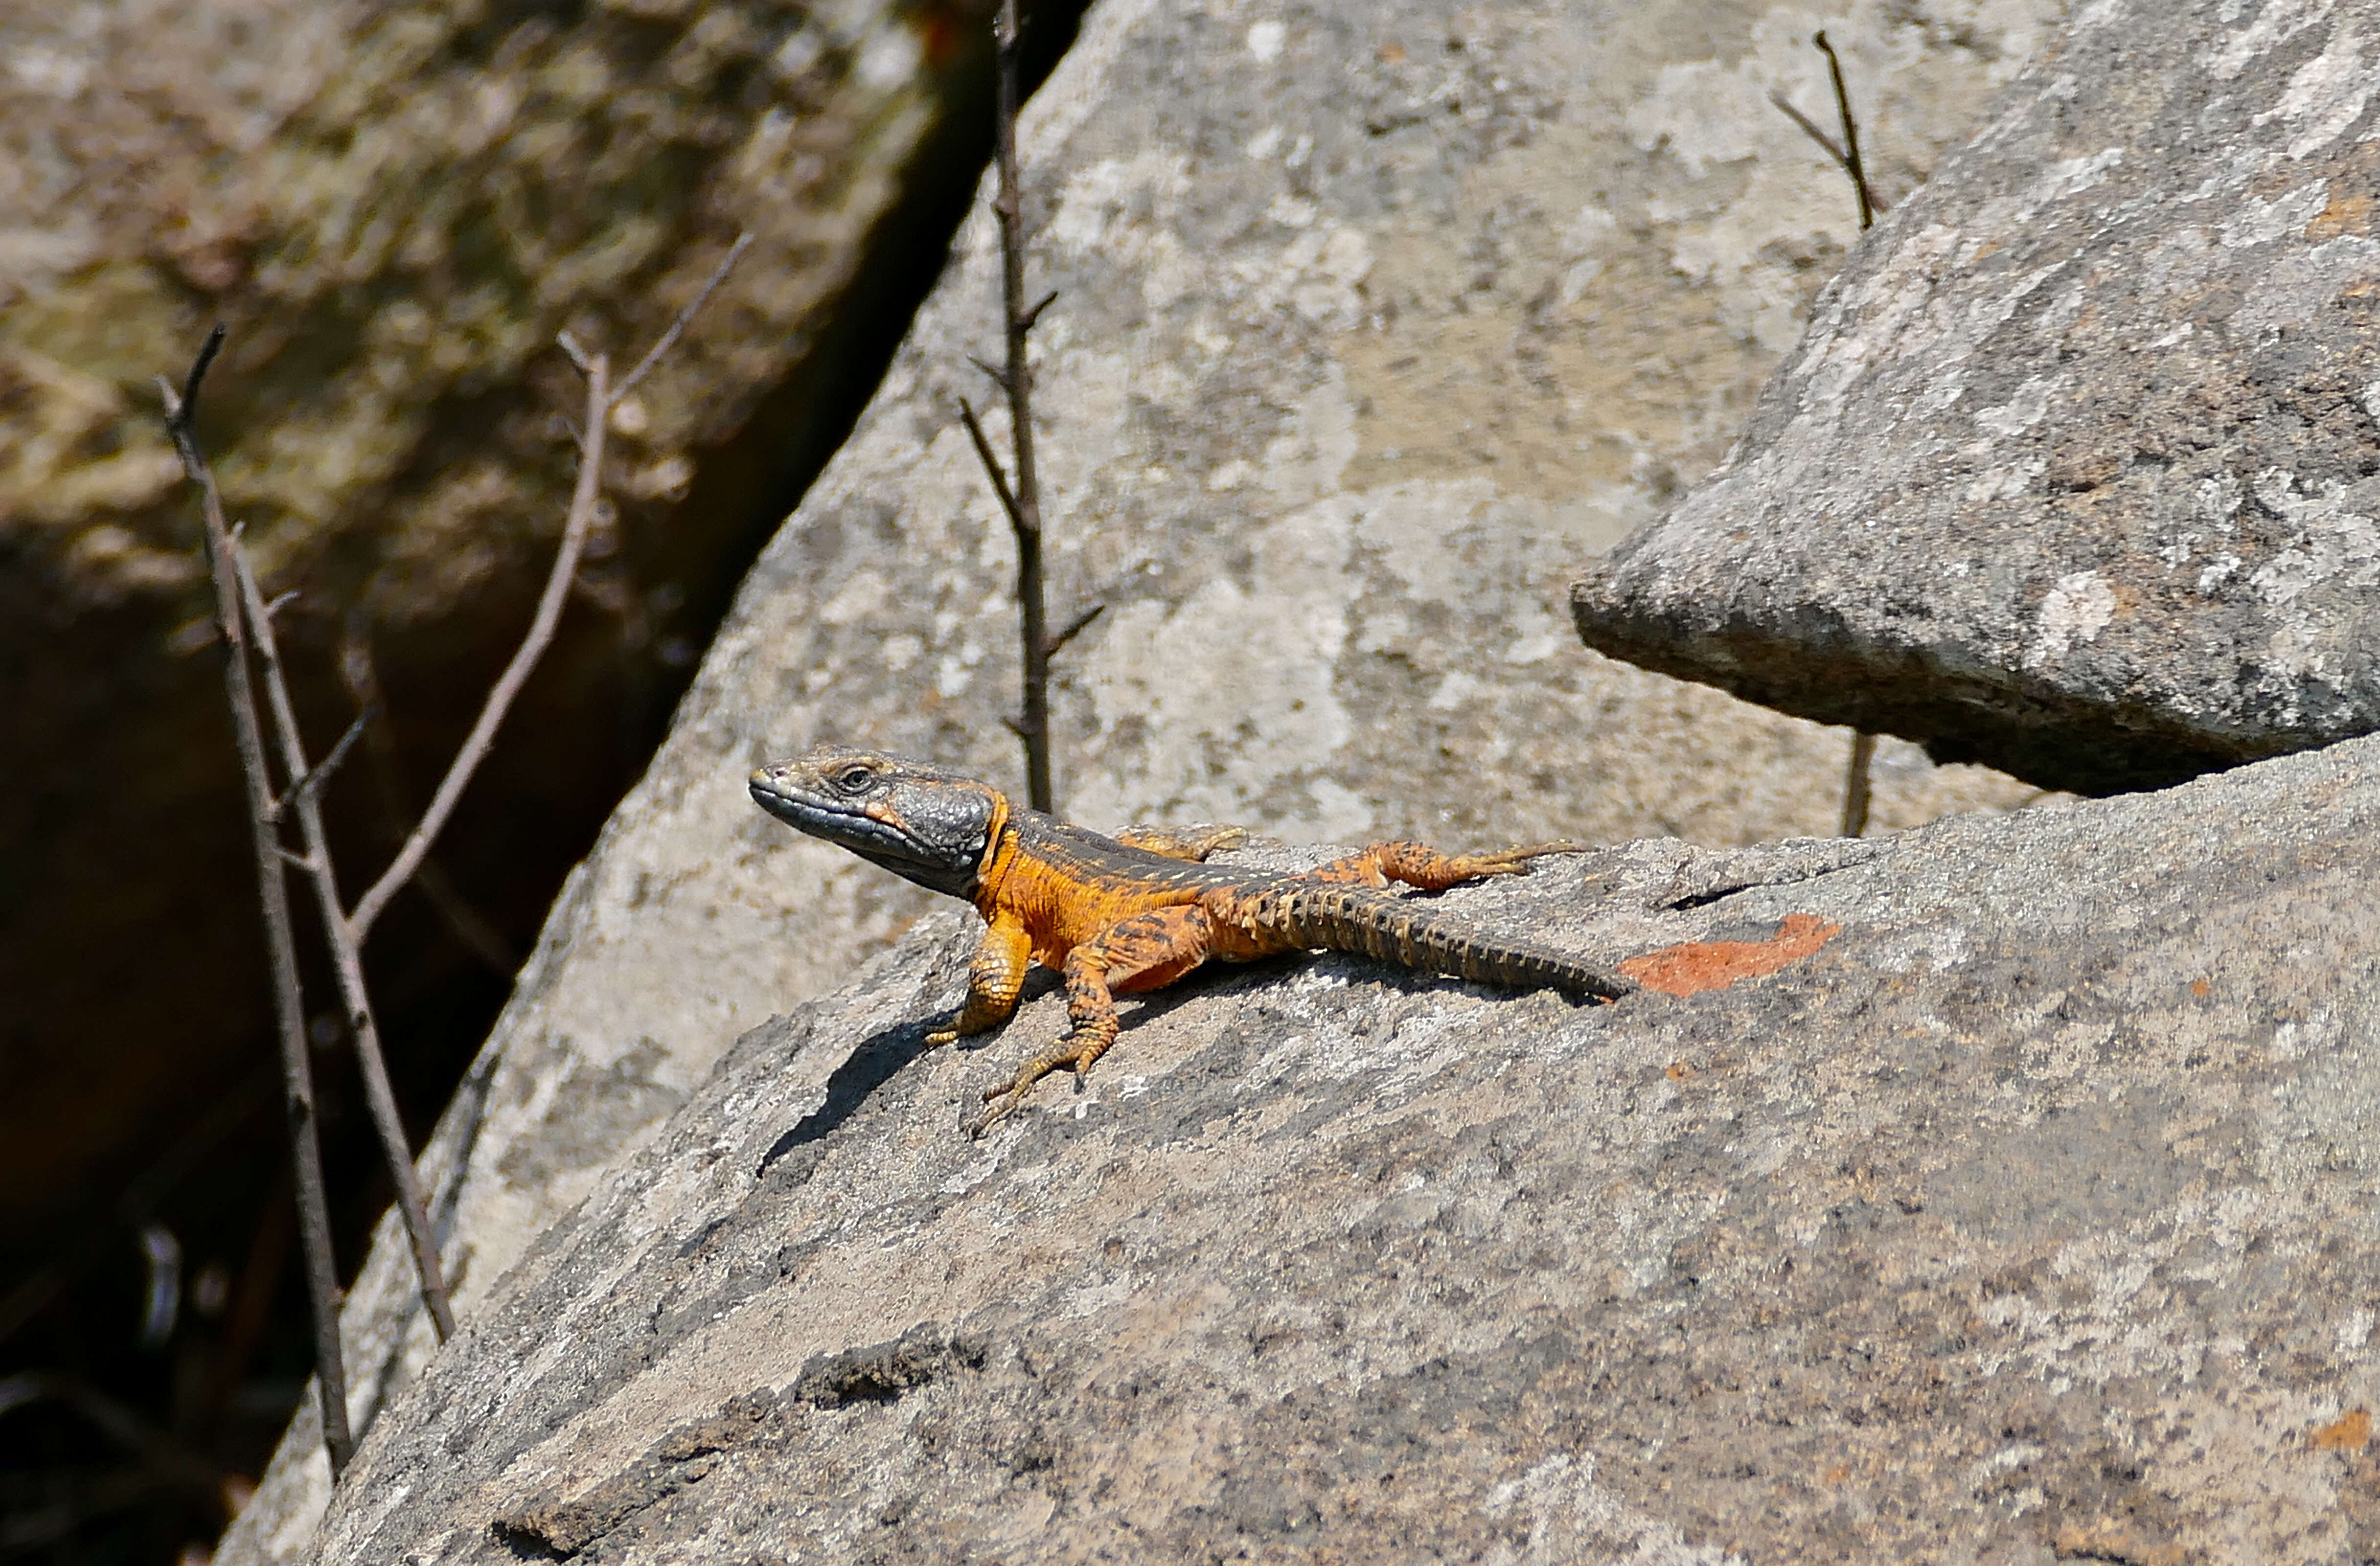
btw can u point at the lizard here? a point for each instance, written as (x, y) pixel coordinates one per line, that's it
(1134, 912)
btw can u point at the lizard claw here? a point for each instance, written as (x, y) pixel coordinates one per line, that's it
(1514, 861)
(1002, 1099)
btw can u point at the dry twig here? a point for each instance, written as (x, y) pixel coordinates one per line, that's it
(346, 962)
(1022, 502)
(1858, 789)
(245, 615)
(272, 893)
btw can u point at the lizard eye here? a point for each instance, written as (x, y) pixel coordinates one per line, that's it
(854, 780)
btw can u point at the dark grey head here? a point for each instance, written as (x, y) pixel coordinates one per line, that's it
(935, 827)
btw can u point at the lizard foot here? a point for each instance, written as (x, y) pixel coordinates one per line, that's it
(1508, 861)
(1002, 1099)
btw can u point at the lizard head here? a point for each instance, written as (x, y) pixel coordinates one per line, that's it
(932, 826)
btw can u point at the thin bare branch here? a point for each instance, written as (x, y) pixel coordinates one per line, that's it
(992, 464)
(1812, 129)
(1076, 627)
(1856, 787)
(1031, 611)
(346, 962)
(310, 782)
(676, 328)
(508, 685)
(1858, 783)
(579, 356)
(1832, 147)
(1044, 303)
(998, 376)
(273, 894)
(1851, 157)
(465, 923)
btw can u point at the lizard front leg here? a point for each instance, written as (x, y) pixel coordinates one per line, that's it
(1420, 866)
(995, 979)
(1144, 951)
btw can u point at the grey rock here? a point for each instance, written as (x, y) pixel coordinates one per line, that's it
(2013, 1198)
(1374, 323)
(2076, 470)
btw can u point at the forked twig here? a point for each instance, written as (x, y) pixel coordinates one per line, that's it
(1846, 158)
(273, 894)
(346, 962)
(992, 467)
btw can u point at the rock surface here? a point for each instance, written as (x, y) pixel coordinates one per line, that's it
(2077, 471)
(1373, 321)
(1998, 1192)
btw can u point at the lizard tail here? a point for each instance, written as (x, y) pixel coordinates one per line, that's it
(1383, 925)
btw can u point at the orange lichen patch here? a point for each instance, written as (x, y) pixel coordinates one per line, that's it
(2351, 1431)
(1713, 964)
(2200, 987)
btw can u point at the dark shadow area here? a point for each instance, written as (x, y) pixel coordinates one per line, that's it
(866, 1069)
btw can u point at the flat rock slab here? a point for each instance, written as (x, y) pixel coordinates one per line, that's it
(2000, 1191)
(2076, 470)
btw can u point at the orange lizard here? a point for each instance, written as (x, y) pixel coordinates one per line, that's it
(1134, 912)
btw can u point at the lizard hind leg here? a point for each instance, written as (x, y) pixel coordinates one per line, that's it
(1193, 843)
(1144, 951)
(1420, 866)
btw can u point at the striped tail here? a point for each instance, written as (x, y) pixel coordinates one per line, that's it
(1392, 928)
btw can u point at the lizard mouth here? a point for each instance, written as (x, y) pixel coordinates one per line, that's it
(840, 821)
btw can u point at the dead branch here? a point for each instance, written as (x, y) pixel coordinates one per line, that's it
(309, 782)
(1858, 787)
(1076, 627)
(346, 962)
(668, 339)
(508, 685)
(992, 467)
(1856, 784)
(471, 929)
(1025, 507)
(1851, 159)
(273, 893)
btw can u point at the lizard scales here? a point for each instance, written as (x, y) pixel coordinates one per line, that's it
(1117, 916)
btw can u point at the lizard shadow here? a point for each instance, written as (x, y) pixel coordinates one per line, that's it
(880, 1057)
(875, 1062)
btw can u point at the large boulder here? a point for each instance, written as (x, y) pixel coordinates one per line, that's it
(1373, 323)
(2002, 1191)
(2077, 469)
